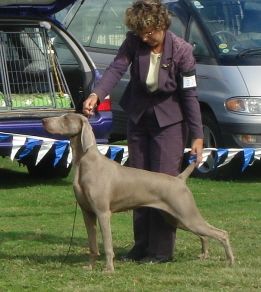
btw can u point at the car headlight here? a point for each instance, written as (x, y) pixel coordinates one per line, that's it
(244, 105)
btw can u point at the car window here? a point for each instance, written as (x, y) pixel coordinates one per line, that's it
(177, 26)
(63, 53)
(235, 26)
(110, 30)
(74, 71)
(82, 25)
(197, 40)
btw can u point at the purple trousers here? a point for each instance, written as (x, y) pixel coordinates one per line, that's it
(161, 150)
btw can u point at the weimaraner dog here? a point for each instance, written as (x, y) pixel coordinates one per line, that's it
(103, 186)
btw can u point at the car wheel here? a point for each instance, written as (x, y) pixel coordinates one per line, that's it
(212, 139)
(212, 136)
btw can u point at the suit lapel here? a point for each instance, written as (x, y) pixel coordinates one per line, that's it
(144, 62)
(165, 64)
(166, 60)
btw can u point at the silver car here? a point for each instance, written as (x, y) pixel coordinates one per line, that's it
(226, 35)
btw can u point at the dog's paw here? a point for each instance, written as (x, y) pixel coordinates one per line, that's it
(203, 256)
(108, 270)
(88, 267)
(231, 261)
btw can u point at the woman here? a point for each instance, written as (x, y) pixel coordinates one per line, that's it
(162, 106)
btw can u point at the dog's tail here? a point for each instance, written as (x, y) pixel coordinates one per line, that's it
(187, 172)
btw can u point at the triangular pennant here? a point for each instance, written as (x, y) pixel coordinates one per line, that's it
(44, 149)
(208, 161)
(220, 156)
(192, 158)
(4, 137)
(60, 147)
(116, 153)
(125, 155)
(17, 143)
(28, 147)
(103, 149)
(69, 158)
(232, 152)
(249, 154)
(258, 153)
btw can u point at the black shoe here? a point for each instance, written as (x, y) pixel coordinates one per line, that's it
(155, 260)
(135, 254)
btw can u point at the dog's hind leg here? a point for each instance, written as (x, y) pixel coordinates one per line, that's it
(203, 239)
(90, 221)
(202, 229)
(204, 247)
(105, 225)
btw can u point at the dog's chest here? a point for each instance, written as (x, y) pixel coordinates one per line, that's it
(81, 197)
(82, 200)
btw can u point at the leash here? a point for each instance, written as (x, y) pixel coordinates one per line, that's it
(72, 234)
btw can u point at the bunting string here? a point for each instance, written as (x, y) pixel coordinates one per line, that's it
(19, 147)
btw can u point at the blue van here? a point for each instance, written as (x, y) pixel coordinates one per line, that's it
(226, 35)
(44, 72)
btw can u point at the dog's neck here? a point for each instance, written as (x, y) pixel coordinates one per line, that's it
(77, 150)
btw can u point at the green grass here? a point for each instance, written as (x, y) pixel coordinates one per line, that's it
(36, 225)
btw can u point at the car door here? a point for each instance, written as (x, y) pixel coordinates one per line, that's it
(99, 25)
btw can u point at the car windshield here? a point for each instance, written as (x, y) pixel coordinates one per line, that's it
(234, 24)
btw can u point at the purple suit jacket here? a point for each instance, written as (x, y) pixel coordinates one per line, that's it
(171, 103)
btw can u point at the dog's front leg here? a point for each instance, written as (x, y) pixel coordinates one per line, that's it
(105, 225)
(90, 224)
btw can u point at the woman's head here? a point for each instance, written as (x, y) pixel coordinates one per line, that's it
(147, 15)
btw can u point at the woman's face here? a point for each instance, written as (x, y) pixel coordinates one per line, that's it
(152, 37)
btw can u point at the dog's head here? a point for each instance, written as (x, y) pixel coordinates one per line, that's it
(71, 125)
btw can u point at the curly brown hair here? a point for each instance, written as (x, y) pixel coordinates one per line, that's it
(147, 14)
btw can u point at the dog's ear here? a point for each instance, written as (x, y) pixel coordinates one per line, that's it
(87, 136)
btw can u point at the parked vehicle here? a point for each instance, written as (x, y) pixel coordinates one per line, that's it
(44, 72)
(226, 35)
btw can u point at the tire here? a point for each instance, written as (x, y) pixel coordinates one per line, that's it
(212, 139)
(212, 136)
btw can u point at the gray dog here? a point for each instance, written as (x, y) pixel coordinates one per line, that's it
(125, 188)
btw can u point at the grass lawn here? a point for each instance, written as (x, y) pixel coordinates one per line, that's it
(36, 225)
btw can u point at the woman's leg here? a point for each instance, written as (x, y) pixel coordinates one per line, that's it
(160, 150)
(138, 149)
(166, 154)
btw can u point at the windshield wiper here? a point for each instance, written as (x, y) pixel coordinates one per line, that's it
(252, 51)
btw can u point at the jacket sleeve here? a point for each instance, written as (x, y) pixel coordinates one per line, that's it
(188, 93)
(117, 68)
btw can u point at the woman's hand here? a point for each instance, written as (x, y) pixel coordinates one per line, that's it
(90, 104)
(196, 149)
